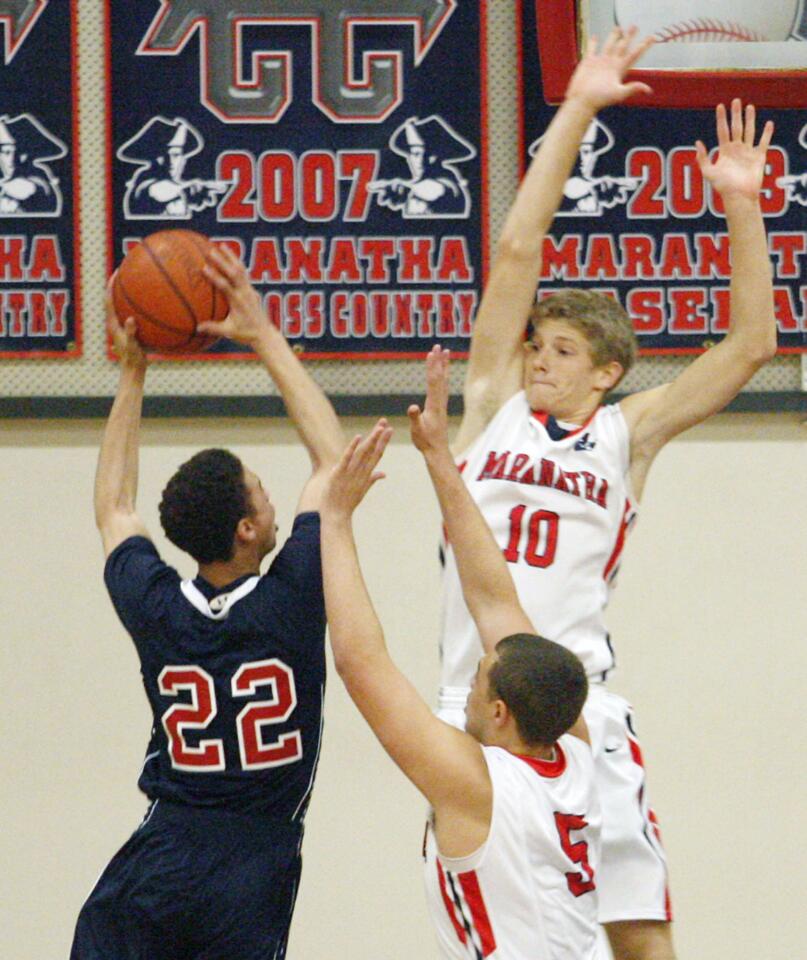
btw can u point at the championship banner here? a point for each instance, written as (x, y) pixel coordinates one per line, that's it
(638, 220)
(339, 148)
(39, 185)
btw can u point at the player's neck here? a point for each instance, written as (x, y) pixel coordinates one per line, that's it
(222, 572)
(576, 416)
(537, 751)
(513, 743)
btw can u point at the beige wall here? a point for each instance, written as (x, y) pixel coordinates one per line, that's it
(708, 621)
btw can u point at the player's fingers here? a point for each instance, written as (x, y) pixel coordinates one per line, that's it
(721, 124)
(591, 46)
(701, 154)
(216, 277)
(611, 40)
(767, 134)
(635, 87)
(349, 451)
(626, 41)
(639, 51)
(223, 260)
(750, 128)
(736, 119)
(371, 449)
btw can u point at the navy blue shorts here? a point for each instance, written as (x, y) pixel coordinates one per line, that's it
(194, 884)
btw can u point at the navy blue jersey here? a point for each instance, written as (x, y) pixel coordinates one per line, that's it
(235, 676)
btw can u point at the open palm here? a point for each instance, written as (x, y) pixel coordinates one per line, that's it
(598, 79)
(739, 166)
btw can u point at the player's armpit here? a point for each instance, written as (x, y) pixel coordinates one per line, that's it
(703, 388)
(119, 526)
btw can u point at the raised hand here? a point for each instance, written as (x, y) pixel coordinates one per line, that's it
(123, 334)
(429, 427)
(739, 167)
(356, 472)
(598, 80)
(246, 320)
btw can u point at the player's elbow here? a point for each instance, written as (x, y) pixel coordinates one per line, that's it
(767, 349)
(354, 668)
(516, 246)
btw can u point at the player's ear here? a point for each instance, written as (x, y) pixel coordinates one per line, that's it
(609, 375)
(245, 530)
(501, 713)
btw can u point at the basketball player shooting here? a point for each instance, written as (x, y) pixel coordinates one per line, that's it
(517, 789)
(213, 870)
(558, 475)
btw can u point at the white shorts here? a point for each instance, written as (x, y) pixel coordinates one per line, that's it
(632, 877)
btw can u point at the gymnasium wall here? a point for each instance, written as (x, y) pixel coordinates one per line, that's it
(708, 621)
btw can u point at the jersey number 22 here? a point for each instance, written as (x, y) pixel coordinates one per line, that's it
(256, 753)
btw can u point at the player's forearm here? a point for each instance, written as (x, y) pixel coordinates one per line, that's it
(753, 322)
(486, 583)
(353, 626)
(541, 190)
(310, 410)
(117, 471)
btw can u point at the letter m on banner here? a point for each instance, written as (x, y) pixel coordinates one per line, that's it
(261, 91)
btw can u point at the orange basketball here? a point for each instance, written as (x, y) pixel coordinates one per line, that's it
(160, 283)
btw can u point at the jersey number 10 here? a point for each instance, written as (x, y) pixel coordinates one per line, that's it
(542, 537)
(256, 753)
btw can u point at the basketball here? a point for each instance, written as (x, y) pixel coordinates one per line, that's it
(160, 283)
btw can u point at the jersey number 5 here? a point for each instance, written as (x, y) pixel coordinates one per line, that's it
(256, 753)
(576, 852)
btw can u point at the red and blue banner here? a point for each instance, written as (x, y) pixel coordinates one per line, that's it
(39, 180)
(639, 222)
(339, 148)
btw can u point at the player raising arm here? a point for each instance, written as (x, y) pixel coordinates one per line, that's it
(557, 475)
(214, 868)
(514, 789)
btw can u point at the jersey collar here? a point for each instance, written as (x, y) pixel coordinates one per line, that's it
(551, 769)
(554, 429)
(218, 607)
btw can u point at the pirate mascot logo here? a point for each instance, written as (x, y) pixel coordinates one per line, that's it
(434, 188)
(585, 194)
(161, 149)
(27, 185)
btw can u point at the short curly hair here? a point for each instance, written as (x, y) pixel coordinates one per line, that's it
(601, 319)
(543, 684)
(202, 504)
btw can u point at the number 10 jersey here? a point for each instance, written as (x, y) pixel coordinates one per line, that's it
(559, 504)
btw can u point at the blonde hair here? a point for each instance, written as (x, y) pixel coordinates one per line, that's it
(602, 321)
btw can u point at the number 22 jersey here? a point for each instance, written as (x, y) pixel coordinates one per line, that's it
(559, 504)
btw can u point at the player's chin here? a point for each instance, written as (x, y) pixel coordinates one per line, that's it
(539, 396)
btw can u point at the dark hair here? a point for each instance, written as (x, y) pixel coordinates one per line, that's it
(543, 684)
(600, 319)
(202, 504)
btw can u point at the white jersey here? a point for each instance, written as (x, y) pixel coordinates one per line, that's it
(560, 510)
(528, 893)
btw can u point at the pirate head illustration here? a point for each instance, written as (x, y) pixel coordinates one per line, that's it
(584, 193)
(159, 188)
(28, 188)
(795, 184)
(434, 188)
